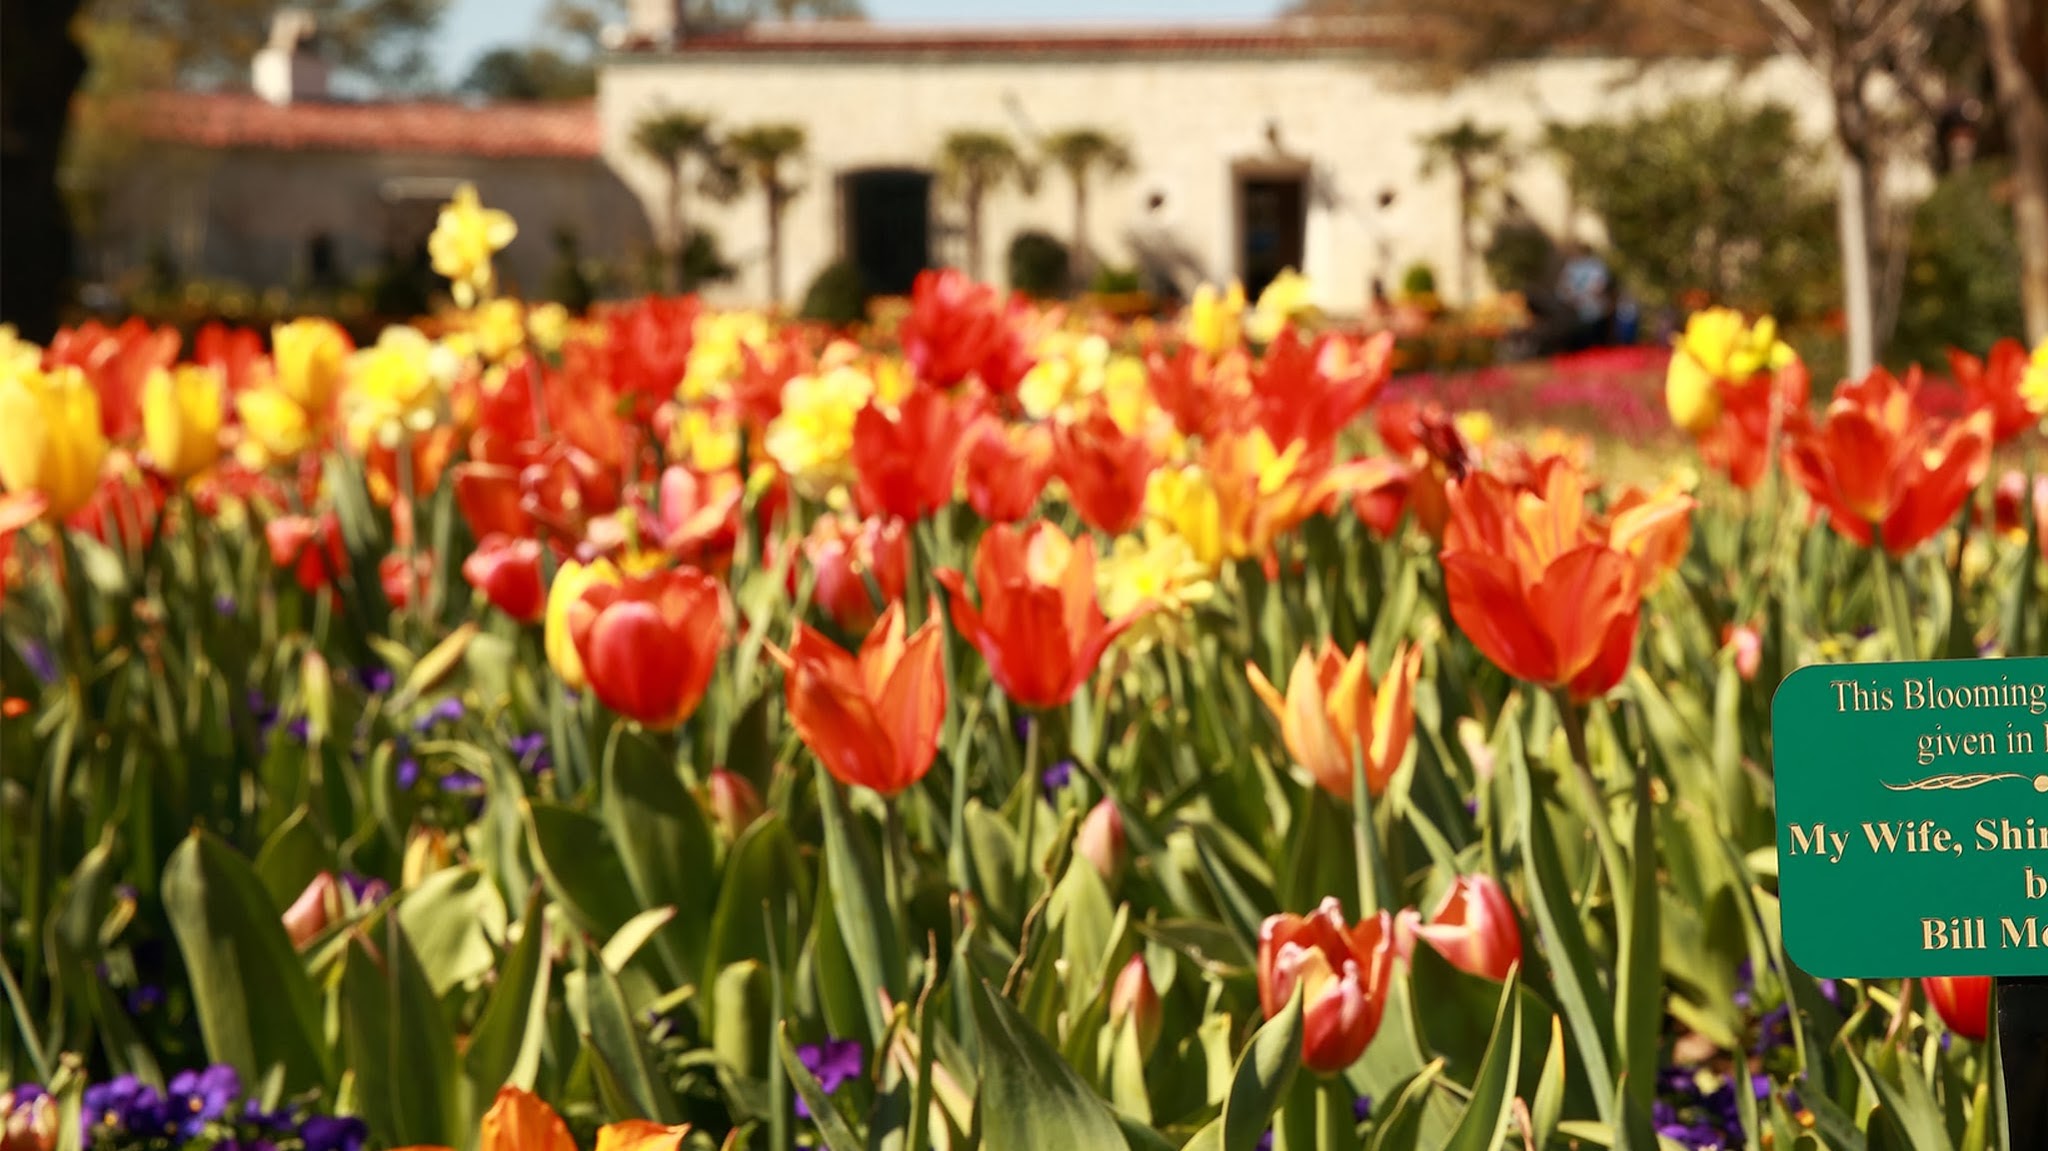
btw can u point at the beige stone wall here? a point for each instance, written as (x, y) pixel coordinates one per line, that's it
(249, 216)
(1188, 122)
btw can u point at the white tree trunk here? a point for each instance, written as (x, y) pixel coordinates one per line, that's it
(2023, 99)
(1854, 210)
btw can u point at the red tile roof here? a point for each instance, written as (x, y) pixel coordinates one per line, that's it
(223, 120)
(1284, 37)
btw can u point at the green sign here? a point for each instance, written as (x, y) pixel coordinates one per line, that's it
(1913, 817)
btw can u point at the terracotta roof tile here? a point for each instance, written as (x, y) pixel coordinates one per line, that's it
(222, 120)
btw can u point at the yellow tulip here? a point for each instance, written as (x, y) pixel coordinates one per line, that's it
(274, 427)
(1289, 298)
(1216, 320)
(466, 236)
(812, 439)
(2034, 384)
(17, 354)
(1184, 501)
(498, 329)
(1719, 349)
(181, 417)
(548, 324)
(570, 582)
(718, 342)
(392, 386)
(1159, 573)
(1693, 396)
(50, 438)
(311, 355)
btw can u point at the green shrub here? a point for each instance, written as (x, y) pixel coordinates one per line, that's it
(1519, 256)
(1117, 281)
(1038, 264)
(1714, 196)
(1962, 284)
(1418, 280)
(702, 263)
(836, 296)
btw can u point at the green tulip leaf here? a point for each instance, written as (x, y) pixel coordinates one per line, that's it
(1485, 1126)
(1263, 1075)
(666, 844)
(1031, 1099)
(506, 1045)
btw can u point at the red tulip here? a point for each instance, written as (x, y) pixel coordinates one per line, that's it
(311, 547)
(1963, 1002)
(733, 803)
(959, 329)
(1345, 973)
(316, 907)
(908, 464)
(1473, 926)
(648, 644)
(1186, 387)
(1105, 471)
(398, 586)
(1993, 385)
(1537, 588)
(1038, 626)
(507, 572)
(872, 720)
(236, 353)
(1007, 466)
(844, 555)
(699, 517)
(1881, 467)
(117, 361)
(1310, 392)
(646, 350)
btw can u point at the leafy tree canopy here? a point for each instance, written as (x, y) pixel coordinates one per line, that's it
(212, 42)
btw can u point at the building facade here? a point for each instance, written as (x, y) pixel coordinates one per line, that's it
(1254, 147)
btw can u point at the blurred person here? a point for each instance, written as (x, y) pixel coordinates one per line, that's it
(1586, 288)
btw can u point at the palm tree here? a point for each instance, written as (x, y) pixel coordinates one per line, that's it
(1083, 153)
(973, 163)
(672, 139)
(1477, 157)
(761, 151)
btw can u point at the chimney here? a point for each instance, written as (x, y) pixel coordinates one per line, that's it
(290, 66)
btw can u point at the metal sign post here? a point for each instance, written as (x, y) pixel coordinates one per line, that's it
(2023, 1060)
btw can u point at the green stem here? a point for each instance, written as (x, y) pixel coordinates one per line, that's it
(1375, 887)
(1590, 797)
(1893, 604)
(1030, 814)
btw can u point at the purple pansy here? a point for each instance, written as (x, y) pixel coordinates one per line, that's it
(832, 1062)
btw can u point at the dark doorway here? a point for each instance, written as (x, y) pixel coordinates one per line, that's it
(888, 226)
(1272, 215)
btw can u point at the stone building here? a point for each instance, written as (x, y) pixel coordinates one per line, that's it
(286, 186)
(1255, 147)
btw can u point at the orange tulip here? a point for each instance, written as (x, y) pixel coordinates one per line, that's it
(640, 1135)
(1993, 385)
(1654, 528)
(1331, 714)
(1537, 589)
(874, 719)
(907, 464)
(1345, 972)
(844, 555)
(521, 1121)
(507, 571)
(1006, 468)
(1428, 440)
(1473, 926)
(1881, 468)
(648, 644)
(1963, 1002)
(1038, 626)
(1105, 471)
(1308, 392)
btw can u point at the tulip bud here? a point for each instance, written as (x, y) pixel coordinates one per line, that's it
(1749, 650)
(1101, 841)
(27, 1122)
(1963, 1002)
(1135, 998)
(734, 803)
(315, 908)
(426, 853)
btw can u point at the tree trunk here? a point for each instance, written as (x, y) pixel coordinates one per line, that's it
(674, 228)
(1465, 196)
(774, 247)
(974, 268)
(1079, 265)
(1856, 222)
(2023, 104)
(40, 67)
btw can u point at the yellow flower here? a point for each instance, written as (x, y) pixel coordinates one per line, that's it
(1127, 393)
(392, 387)
(548, 324)
(17, 354)
(1159, 570)
(812, 439)
(717, 345)
(1070, 368)
(1475, 428)
(571, 579)
(1288, 299)
(311, 355)
(50, 438)
(1719, 349)
(1216, 321)
(465, 237)
(2034, 384)
(1184, 501)
(181, 417)
(498, 329)
(1692, 396)
(706, 441)
(274, 427)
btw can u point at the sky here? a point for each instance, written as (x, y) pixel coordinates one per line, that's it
(471, 27)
